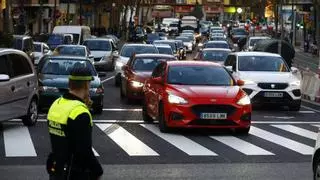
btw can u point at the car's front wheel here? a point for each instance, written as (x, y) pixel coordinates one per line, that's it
(145, 114)
(316, 167)
(162, 120)
(32, 116)
(117, 80)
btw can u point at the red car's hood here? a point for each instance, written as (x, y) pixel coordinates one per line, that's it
(142, 76)
(223, 92)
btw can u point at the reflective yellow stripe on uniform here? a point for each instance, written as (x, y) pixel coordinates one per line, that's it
(61, 110)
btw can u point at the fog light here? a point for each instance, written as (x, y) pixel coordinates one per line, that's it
(176, 116)
(246, 117)
(296, 92)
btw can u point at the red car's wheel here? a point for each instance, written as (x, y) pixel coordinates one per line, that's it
(145, 114)
(162, 122)
(242, 131)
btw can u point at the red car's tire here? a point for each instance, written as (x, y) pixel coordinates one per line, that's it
(162, 122)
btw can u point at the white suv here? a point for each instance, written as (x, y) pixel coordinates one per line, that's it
(267, 78)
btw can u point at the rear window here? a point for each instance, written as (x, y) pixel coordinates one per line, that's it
(217, 45)
(127, 51)
(147, 64)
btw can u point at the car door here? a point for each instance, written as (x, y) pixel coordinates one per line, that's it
(24, 82)
(156, 89)
(6, 94)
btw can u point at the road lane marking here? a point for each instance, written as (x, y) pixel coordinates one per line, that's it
(307, 112)
(309, 108)
(184, 144)
(282, 141)
(95, 152)
(279, 117)
(129, 143)
(18, 142)
(316, 125)
(120, 109)
(108, 79)
(241, 145)
(297, 130)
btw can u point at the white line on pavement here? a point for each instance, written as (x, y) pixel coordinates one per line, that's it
(282, 141)
(108, 79)
(297, 130)
(95, 152)
(184, 144)
(311, 102)
(241, 145)
(18, 142)
(128, 142)
(306, 112)
(309, 108)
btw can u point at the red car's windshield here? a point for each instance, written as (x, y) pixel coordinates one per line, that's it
(199, 75)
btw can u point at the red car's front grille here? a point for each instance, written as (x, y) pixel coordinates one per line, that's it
(213, 108)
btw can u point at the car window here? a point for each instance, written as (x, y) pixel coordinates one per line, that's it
(17, 43)
(199, 75)
(127, 51)
(4, 68)
(64, 67)
(214, 55)
(217, 45)
(157, 72)
(70, 50)
(37, 47)
(165, 50)
(20, 65)
(28, 44)
(262, 63)
(97, 45)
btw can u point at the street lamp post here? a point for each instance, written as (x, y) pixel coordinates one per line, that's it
(80, 8)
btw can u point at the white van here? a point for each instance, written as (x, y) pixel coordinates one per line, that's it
(79, 33)
(189, 21)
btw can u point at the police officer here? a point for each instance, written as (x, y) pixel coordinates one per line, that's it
(70, 129)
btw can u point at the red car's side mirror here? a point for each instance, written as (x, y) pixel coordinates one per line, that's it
(240, 82)
(157, 80)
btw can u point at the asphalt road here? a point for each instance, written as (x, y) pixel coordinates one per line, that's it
(279, 146)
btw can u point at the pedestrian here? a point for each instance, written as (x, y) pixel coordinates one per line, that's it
(70, 129)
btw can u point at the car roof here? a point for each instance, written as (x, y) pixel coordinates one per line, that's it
(216, 49)
(154, 55)
(138, 44)
(21, 36)
(10, 50)
(256, 53)
(71, 45)
(220, 42)
(259, 37)
(190, 63)
(98, 39)
(168, 40)
(57, 57)
(36, 42)
(163, 45)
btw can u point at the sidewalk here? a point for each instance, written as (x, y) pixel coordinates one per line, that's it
(305, 60)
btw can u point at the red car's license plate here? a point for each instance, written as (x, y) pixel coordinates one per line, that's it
(213, 115)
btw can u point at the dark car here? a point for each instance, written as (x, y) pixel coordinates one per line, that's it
(25, 44)
(53, 80)
(137, 70)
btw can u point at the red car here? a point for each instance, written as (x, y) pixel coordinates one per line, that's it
(137, 70)
(196, 94)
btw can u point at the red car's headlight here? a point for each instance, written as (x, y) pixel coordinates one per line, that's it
(174, 99)
(244, 100)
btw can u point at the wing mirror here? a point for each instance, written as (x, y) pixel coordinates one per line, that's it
(240, 82)
(294, 70)
(4, 77)
(157, 80)
(229, 68)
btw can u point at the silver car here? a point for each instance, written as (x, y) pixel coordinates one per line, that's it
(18, 87)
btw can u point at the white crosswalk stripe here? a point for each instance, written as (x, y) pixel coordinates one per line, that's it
(129, 143)
(241, 145)
(184, 144)
(297, 130)
(282, 141)
(18, 142)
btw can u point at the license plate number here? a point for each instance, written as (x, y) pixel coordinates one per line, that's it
(269, 94)
(213, 115)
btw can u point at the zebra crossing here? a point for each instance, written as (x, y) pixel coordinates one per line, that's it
(144, 143)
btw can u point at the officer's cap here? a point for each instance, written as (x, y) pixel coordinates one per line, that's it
(81, 73)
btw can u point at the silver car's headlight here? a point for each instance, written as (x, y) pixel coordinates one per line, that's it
(295, 83)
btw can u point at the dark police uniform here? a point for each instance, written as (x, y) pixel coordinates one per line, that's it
(70, 129)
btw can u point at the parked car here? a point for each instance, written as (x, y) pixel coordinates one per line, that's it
(267, 78)
(195, 94)
(40, 49)
(104, 52)
(25, 44)
(53, 80)
(136, 71)
(18, 87)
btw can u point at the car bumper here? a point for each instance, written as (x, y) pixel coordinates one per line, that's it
(46, 99)
(188, 116)
(257, 95)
